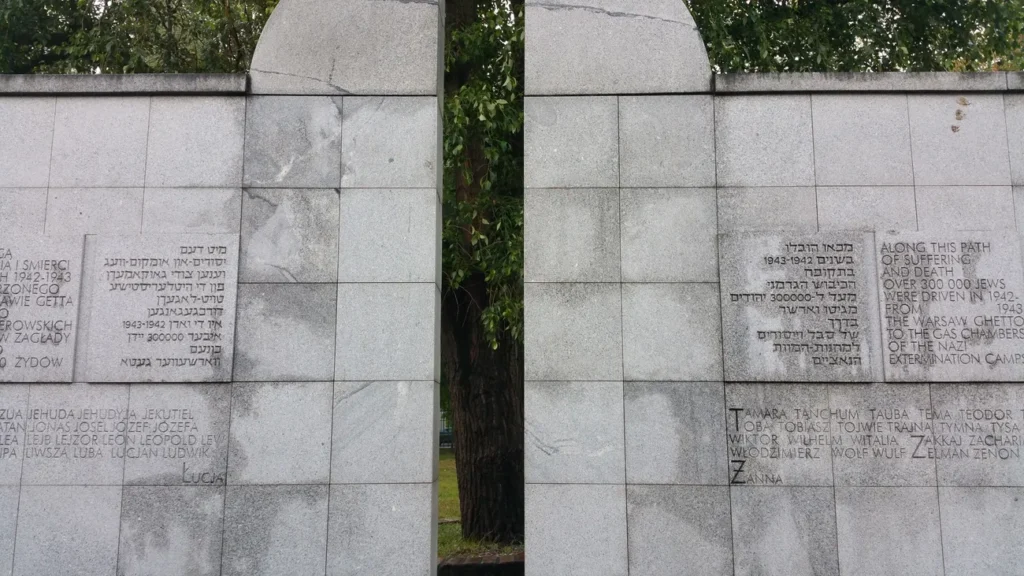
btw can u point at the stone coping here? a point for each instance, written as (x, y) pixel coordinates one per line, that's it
(868, 82)
(101, 84)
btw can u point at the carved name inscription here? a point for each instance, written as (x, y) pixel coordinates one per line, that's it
(40, 279)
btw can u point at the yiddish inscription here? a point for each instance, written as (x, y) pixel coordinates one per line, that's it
(40, 279)
(163, 308)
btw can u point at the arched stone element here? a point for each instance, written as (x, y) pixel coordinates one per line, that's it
(363, 47)
(613, 47)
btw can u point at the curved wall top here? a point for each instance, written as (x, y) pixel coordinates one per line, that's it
(613, 47)
(342, 47)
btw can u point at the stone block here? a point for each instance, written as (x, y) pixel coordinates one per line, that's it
(671, 332)
(889, 531)
(763, 82)
(675, 526)
(271, 530)
(959, 140)
(576, 529)
(668, 235)
(177, 435)
(1018, 200)
(762, 450)
(13, 421)
(381, 529)
(406, 252)
(23, 210)
(1015, 133)
(387, 332)
(9, 496)
(384, 432)
(574, 433)
(41, 278)
(171, 530)
(389, 142)
(163, 308)
(767, 210)
(56, 456)
(990, 416)
(100, 142)
(571, 235)
(28, 136)
(192, 211)
(784, 531)
(764, 141)
(1015, 81)
(93, 84)
(667, 141)
(571, 142)
(573, 332)
(281, 433)
(292, 142)
(982, 530)
(71, 211)
(867, 208)
(67, 531)
(862, 140)
(944, 208)
(289, 236)
(286, 332)
(674, 433)
(799, 308)
(195, 142)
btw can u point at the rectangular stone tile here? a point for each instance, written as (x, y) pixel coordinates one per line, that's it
(382, 529)
(75, 433)
(289, 236)
(571, 235)
(571, 142)
(177, 435)
(867, 208)
(281, 433)
(982, 530)
(889, 531)
(163, 308)
(71, 211)
(171, 530)
(573, 332)
(408, 252)
(40, 283)
(959, 140)
(389, 142)
(196, 142)
(671, 332)
(28, 135)
(674, 433)
(799, 308)
(778, 435)
(14, 415)
(384, 432)
(784, 531)
(68, 531)
(292, 142)
(764, 141)
(386, 332)
(943, 208)
(767, 209)
(23, 210)
(667, 141)
(1018, 200)
(862, 140)
(881, 435)
(574, 433)
(100, 142)
(286, 332)
(576, 529)
(669, 235)
(1015, 133)
(271, 530)
(671, 527)
(192, 211)
(9, 496)
(950, 306)
(977, 432)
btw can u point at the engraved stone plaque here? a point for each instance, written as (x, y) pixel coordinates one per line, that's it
(798, 308)
(952, 306)
(163, 308)
(40, 279)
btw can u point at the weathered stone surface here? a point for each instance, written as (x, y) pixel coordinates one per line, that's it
(292, 142)
(163, 308)
(577, 529)
(14, 401)
(1015, 133)
(862, 140)
(408, 252)
(959, 140)
(981, 530)
(23, 210)
(28, 136)
(867, 208)
(767, 209)
(667, 141)
(571, 235)
(951, 306)
(1015, 81)
(668, 235)
(573, 332)
(41, 279)
(93, 84)
(9, 496)
(675, 526)
(100, 142)
(71, 211)
(195, 142)
(764, 141)
(944, 208)
(784, 531)
(799, 308)
(571, 142)
(860, 82)
(976, 430)
(271, 530)
(289, 236)
(389, 142)
(171, 530)
(191, 211)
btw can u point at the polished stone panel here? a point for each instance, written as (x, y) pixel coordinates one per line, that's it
(289, 236)
(100, 142)
(169, 531)
(572, 142)
(408, 252)
(389, 142)
(673, 526)
(195, 142)
(764, 141)
(784, 531)
(573, 332)
(571, 235)
(666, 141)
(862, 140)
(292, 142)
(191, 211)
(774, 209)
(982, 530)
(668, 235)
(576, 529)
(71, 211)
(28, 137)
(23, 210)
(959, 140)
(867, 208)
